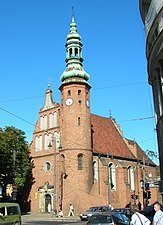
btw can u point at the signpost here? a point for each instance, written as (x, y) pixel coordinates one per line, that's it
(14, 191)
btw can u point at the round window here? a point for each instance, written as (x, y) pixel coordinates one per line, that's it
(47, 166)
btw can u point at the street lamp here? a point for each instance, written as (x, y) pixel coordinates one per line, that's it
(54, 194)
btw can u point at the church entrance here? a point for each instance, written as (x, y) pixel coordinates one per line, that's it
(48, 203)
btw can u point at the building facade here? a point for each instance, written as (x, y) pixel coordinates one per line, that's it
(80, 158)
(152, 16)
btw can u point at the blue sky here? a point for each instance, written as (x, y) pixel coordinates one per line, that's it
(32, 51)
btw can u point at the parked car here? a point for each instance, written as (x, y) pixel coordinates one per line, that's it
(93, 210)
(10, 213)
(126, 211)
(109, 219)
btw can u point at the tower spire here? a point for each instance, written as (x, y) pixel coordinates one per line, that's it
(72, 11)
(74, 69)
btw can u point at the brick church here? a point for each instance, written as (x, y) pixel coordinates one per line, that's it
(82, 158)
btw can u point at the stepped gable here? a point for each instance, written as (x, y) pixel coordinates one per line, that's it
(140, 153)
(107, 139)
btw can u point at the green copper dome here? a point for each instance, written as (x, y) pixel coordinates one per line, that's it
(74, 70)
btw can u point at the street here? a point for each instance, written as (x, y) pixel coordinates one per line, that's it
(46, 219)
(36, 222)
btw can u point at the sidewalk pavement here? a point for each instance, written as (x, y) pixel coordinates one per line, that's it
(48, 217)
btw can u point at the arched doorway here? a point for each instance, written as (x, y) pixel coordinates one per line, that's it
(48, 203)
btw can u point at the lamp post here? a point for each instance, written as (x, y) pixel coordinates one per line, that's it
(54, 194)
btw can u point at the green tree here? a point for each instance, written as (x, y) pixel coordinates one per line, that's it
(152, 155)
(15, 162)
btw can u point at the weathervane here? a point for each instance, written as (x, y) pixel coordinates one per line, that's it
(49, 81)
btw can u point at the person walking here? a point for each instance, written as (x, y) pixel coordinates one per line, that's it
(60, 212)
(71, 210)
(110, 206)
(158, 217)
(139, 219)
(49, 208)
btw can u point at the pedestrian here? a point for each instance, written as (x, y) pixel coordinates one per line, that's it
(138, 204)
(71, 210)
(128, 205)
(60, 212)
(110, 207)
(158, 217)
(139, 219)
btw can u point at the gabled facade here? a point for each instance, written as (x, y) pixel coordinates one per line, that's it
(81, 158)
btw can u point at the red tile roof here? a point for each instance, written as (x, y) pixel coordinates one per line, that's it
(107, 138)
(140, 153)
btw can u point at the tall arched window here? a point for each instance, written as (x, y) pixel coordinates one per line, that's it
(45, 122)
(112, 176)
(47, 141)
(131, 178)
(57, 139)
(51, 120)
(55, 119)
(41, 123)
(95, 170)
(38, 143)
(80, 162)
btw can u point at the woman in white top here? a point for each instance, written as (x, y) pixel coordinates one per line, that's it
(139, 219)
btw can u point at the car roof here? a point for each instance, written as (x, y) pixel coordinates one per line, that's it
(3, 204)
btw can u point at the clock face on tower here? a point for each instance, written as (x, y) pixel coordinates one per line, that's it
(87, 103)
(69, 101)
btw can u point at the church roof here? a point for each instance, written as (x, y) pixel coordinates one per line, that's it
(108, 139)
(140, 153)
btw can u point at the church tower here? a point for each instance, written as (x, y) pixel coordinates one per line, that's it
(75, 124)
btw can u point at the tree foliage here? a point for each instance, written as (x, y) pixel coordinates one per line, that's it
(152, 155)
(15, 166)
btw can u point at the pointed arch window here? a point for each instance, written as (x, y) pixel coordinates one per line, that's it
(55, 119)
(47, 141)
(80, 162)
(38, 143)
(131, 178)
(112, 176)
(57, 140)
(43, 122)
(50, 120)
